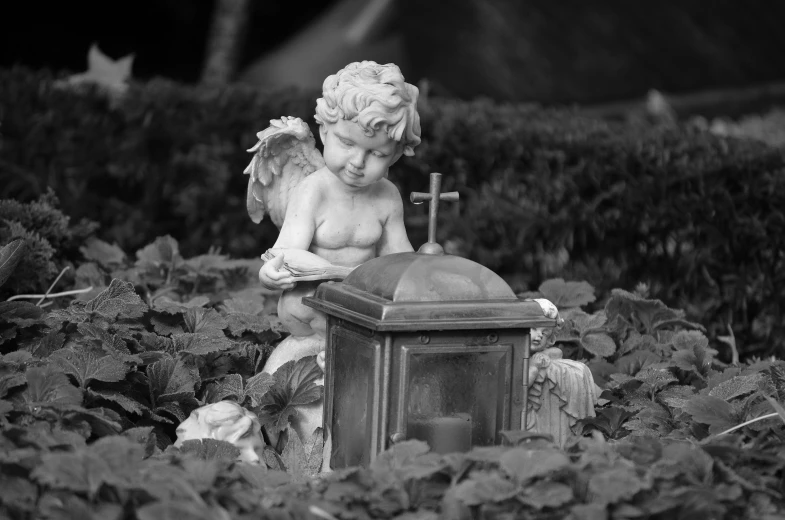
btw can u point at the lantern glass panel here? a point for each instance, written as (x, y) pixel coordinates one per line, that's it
(456, 395)
(356, 376)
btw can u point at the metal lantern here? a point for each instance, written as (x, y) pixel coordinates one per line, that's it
(423, 346)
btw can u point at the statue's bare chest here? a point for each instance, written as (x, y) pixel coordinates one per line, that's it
(346, 225)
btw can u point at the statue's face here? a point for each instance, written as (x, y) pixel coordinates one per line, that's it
(357, 159)
(239, 428)
(537, 336)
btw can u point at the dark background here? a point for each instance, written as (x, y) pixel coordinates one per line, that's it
(526, 50)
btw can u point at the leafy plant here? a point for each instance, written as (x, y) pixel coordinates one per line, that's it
(91, 392)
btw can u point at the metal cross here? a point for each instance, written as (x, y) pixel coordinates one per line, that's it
(434, 196)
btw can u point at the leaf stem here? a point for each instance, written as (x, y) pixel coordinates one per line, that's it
(50, 295)
(46, 294)
(762, 417)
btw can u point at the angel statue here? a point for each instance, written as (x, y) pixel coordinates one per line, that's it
(334, 211)
(561, 391)
(224, 421)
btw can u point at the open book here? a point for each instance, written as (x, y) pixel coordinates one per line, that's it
(304, 265)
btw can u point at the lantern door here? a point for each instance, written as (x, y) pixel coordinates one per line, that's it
(456, 389)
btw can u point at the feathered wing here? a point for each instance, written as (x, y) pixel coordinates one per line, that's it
(285, 154)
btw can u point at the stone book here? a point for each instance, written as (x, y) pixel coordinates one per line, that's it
(305, 266)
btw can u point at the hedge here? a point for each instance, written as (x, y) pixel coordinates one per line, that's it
(544, 192)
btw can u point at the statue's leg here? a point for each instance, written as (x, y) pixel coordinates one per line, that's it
(308, 329)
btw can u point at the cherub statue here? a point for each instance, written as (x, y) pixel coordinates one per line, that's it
(224, 421)
(561, 391)
(340, 207)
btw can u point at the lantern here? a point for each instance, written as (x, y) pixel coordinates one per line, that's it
(423, 346)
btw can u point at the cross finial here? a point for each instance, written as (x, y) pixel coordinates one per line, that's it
(434, 196)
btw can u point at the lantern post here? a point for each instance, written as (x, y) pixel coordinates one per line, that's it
(426, 346)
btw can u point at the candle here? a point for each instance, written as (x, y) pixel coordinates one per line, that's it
(443, 434)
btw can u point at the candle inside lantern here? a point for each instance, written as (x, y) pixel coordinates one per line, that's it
(444, 434)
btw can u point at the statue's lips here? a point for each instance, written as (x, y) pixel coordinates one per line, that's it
(353, 174)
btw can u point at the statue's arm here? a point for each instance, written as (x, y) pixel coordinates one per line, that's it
(297, 232)
(394, 238)
(299, 224)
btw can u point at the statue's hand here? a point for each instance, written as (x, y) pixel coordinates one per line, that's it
(273, 277)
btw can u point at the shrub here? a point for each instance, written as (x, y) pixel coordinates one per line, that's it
(543, 192)
(50, 241)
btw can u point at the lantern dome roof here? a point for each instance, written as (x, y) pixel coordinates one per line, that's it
(417, 291)
(416, 277)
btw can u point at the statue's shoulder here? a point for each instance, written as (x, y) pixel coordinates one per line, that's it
(316, 184)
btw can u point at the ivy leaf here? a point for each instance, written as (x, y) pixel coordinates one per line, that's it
(657, 378)
(589, 512)
(239, 323)
(644, 315)
(144, 436)
(567, 294)
(483, 487)
(599, 344)
(164, 252)
(45, 385)
(172, 408)
(303, 459)
(636, 361)
(210, 449)
(257, 386)
(176, 510)
(693, 352)
(7, 334)
(241, 306)
(614, 485)
(777, 375)
(168, 376)
(118, 298)
(23, 314)
(524, 465)
(200, 344)
(546, 494)
(86, 365)
(167, 325)
(79, 471)
(777, 407)
(584, 322)
(736, 387)
(204, 321)
(108, 255)
(128, 404)
(18, 493)
(230, 386)
(294, 386)
(637, 342)
(9, 381)
(677, 396)
(399, 455)
(167, 305)
(52, 342)
(10, 255)
(715, 412)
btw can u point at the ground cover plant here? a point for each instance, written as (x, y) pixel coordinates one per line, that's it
(94, 382)
(544, 193)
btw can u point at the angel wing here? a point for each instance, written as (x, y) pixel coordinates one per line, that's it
(285, 154)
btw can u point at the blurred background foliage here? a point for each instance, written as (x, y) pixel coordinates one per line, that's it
(544, 192)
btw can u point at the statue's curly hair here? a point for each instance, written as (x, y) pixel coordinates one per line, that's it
(374, 96)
